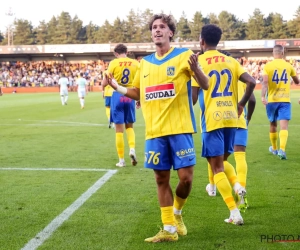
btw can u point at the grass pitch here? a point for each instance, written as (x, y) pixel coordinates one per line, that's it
(57, 191)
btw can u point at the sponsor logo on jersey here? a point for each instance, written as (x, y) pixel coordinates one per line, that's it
(158, 92)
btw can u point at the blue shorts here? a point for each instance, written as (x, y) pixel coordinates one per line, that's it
(162, 153)
(241, 137)
(218, 142)
(279, 111)
(107, 101)
(122, 109)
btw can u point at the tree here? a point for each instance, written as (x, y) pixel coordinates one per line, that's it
(77, 33)
(183, 29)
(63, 30)
(41, 33)
(277, 28)
(91, 30)
(256, 27)
(23, 32)
(52, 26)
(294, 25)
(196, 25)
(103, 34)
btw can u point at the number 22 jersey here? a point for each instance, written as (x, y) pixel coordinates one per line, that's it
(218, 104)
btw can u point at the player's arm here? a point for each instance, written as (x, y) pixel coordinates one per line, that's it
(199, 76)
(296, 79)
(264, 89)
(250, 81)
(133, 93)
(195, 94)
(251, 107)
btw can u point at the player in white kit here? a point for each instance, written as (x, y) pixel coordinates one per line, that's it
(82, 89)
(63, 84)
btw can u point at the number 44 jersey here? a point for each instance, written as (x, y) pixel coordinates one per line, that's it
(218, 104)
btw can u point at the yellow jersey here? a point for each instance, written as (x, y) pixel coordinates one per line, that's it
(166, 93)
(218, 104)
(123, 70)
(279, 74)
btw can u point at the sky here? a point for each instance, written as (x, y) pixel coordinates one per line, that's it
(101, 10)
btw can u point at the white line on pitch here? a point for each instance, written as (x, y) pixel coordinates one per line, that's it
(57, 169)
(40, 238)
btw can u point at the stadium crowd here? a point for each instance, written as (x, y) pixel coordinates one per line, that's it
(47, 73)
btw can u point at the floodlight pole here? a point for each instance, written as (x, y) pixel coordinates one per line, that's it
(9, 28)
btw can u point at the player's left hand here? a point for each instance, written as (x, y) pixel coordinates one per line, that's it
(240, 110)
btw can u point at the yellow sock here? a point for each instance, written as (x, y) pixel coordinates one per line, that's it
(107, 111)
(120, 145)
(210, 175)
(273, 139)
(179, 202)
(167, 215)
(225, 189)
(130, 137)
(230, 173)
(283, 136)
(241, 167)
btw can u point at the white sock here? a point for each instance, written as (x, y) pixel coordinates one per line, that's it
(62, 100)
(66, 98)
(171, 229)
(176, 211)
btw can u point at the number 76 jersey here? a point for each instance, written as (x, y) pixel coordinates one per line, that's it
(218, 104)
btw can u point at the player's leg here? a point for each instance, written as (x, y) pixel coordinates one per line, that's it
(117, 115)
(284, 115)
(272, 113)
(184, 164)
(211, 188)
(66, 95)
(107, 109)
(120, 144)
(157, 158)
(129, 117)
(62, 98)
(214, 144)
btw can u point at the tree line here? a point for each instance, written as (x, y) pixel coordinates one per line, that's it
(64, 29)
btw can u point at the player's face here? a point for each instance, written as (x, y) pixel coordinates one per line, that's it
(160, 32)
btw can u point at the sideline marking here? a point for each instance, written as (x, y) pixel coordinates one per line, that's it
(43, 235)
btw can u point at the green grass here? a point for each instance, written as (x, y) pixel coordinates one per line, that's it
(37, 132)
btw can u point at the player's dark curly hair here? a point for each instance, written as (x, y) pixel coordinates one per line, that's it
(168, 19)
(211, 34)
(120, 49)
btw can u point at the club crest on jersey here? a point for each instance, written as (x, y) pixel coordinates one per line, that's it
(162, 91)
(171, 71)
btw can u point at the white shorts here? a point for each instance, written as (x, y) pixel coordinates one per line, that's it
(81, 93)
(63, 91)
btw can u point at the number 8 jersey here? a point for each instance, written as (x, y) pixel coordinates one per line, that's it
(218, 104)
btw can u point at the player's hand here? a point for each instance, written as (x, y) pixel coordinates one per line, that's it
(240, 110)
(112, 81)
(193, 62)
(138, 104)
(264, 101)
(299, 101)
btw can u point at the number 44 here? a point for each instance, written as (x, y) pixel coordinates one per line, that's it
(283, 78)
